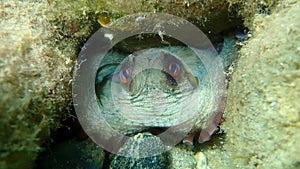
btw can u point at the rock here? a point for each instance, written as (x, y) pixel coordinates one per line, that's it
(248, 9)
(181, 158)
(212, 17)
(39, 44)
(138, 151)
(262, 117)
(201, 160)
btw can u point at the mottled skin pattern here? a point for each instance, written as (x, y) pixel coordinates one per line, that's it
(173, 74)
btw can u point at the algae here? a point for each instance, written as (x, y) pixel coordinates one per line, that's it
(38, 48)
(212, 17)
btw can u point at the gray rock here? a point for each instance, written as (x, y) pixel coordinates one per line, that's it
(142, 145)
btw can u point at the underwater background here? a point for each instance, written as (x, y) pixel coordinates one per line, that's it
(258, 40)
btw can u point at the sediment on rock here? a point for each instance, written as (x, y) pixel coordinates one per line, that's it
(262, 114)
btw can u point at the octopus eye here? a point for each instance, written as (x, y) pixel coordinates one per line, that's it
(174, 69)
(124, 75)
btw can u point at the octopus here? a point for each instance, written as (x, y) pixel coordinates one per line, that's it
(156, 89)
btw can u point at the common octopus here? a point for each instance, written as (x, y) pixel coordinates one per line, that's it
(155, 89)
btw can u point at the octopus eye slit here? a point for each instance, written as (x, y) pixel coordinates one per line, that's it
(174, 68)
(124, 75)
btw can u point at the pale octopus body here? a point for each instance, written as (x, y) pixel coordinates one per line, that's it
(158, 89)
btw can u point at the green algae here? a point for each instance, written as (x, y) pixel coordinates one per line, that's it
(37, 58)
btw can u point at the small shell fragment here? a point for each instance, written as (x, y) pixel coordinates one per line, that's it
(104, 19)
